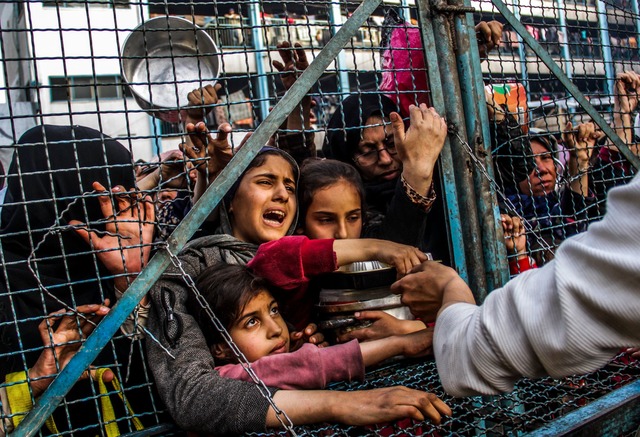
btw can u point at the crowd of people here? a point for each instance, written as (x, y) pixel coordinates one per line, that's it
(78, 226)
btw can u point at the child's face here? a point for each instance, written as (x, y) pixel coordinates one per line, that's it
(261, 330)
(335, 212)
(264, 207)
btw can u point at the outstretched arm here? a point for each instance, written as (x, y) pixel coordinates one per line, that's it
(125, 247)
(569, 317)
(627, 87)
(210, 154)
(580, 144)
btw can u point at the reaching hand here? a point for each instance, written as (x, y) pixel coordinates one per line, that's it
(515, 237)
(489, 35)
(309, 334)
(384, 325)
(62, 333)
(401, 256)
(203, 145)
(428, 287)
(627, 87)
(421, 144)
(364, 407)
(126, 246)
(580, 145)
(201, 101)
(295, 62)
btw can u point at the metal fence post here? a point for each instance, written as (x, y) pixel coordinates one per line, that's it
(463, 166)
(477, 125)
(449, 186)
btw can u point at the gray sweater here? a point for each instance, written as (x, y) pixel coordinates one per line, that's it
(569, 317)
(197, 397)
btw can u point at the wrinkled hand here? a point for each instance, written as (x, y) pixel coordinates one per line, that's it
(62, 334)
(384, 325)
(126, 246)
(203, 146)
(489, 35)
(627, 87)
(309, 334)
(580, 144)
(295, 62)
(515, 237)
(201, 101)
(424, 287)
(364, 407)
(421, 144)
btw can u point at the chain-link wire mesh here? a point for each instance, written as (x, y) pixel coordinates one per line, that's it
(531, 405)
(65, 65)
(564, 190)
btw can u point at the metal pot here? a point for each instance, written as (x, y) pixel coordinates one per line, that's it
(164, 59)
(357, 287)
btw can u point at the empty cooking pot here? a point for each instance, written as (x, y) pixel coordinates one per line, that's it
(165, 58)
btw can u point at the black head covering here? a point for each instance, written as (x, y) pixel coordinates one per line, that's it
(511, 151)
(344, 130)
(51, 169)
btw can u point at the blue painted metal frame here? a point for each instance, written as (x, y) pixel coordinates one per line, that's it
(566, 82)
(259, 52)
(463, 175)
(603, 28)
(446, 160)
(48, 402)
(477, 125)
(596, 409)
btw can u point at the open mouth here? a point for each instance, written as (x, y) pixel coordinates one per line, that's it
(274, 217)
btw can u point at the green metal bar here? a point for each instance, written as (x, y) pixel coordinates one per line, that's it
(566, 82)
(48, 402)
(457, 247)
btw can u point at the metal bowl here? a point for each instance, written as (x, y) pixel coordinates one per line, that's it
(164, 59)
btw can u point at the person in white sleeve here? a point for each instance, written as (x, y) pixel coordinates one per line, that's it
(569, 317)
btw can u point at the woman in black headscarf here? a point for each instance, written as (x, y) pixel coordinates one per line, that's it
(366, 131)
(48, 264)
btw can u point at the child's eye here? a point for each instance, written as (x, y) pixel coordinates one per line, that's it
(251, 322)
(265, 182)
(325, 221)
(291, 189)
(354, 218)
(275, 310)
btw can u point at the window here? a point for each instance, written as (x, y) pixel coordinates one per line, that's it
(84, 88)
(82, 3)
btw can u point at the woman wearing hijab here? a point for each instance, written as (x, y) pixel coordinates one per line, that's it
(260, 207)
(398, 168)
(48, 263)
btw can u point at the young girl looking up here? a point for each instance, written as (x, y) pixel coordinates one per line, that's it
(260, 207)
(331, 201)
(247, 307)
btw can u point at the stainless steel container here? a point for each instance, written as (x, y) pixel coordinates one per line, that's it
(164, 59)
(358, 287)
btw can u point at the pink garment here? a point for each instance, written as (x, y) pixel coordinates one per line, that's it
(290, 263)
(308, 368)
(404, 75)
